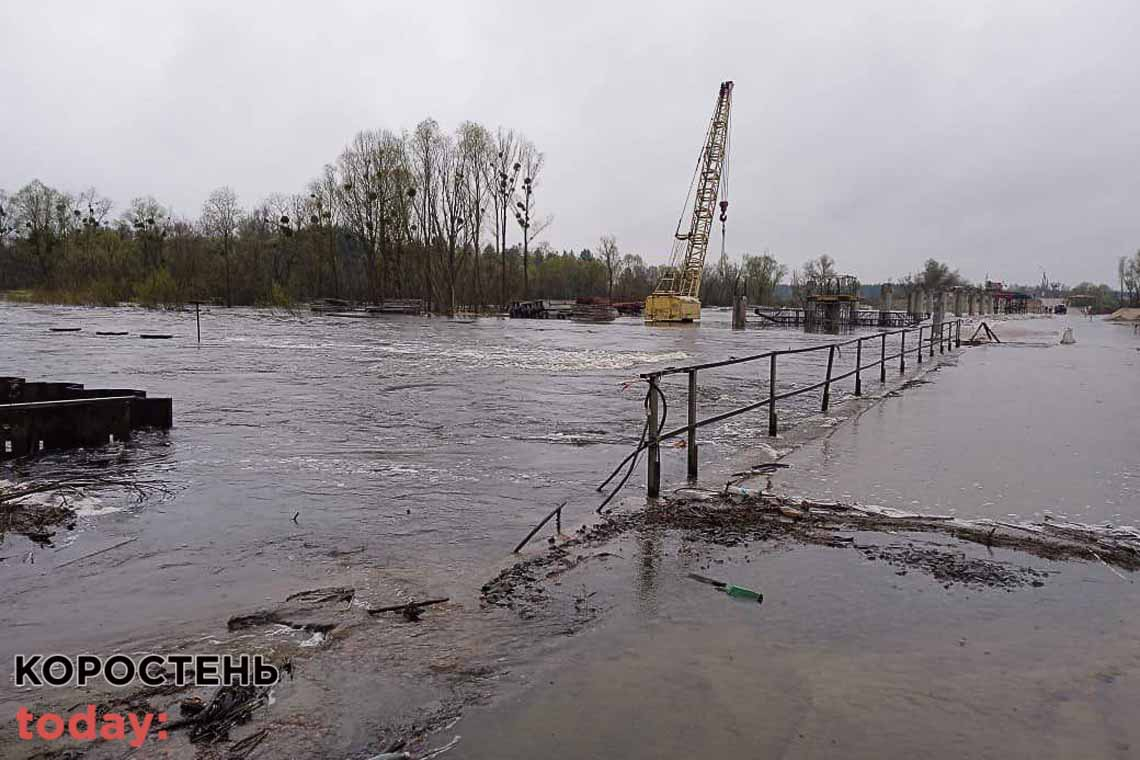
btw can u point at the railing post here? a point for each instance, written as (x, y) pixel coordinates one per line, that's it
(902, 352)
(931, 340)
(958, 334)
(883, 360)
(692, 424)
(827, 380)
(858, 367)
(919, 353)
(942, 338)
(772, 398)
(653, 483)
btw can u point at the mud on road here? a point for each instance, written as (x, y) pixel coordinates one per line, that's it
(907, 541)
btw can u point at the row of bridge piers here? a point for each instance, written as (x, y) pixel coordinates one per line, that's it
(959, 301)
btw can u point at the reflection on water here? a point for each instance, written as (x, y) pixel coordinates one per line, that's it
(648, 567)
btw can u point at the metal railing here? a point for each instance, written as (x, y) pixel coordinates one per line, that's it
(949, 337)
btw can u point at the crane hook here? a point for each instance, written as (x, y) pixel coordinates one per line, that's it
(724, 211)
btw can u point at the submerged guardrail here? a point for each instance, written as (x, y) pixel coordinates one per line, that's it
(949, 336)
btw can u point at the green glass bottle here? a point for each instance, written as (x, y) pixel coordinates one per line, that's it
(740, 592)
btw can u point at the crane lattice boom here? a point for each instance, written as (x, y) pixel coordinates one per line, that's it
(676, 298)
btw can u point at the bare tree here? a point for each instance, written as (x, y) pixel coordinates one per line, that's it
(608, 250)
(531, 160)
(221, 215)
(370, 187)
(43, 216)
(94, 207)
(818, 268)
(7, 225)
(427, 148)
(278, 223)
(475, 151)
(452, 210)
(147, 221)
(503, 177)
(324, 216)
(762, 274)
(1132, 279)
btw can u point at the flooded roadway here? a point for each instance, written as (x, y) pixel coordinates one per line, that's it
(1025, 430)
(418, 451)
(421, 447)
(859, 659)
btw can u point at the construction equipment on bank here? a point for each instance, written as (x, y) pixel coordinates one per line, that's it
(677, 296)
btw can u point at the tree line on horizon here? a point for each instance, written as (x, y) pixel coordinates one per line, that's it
(451, 219)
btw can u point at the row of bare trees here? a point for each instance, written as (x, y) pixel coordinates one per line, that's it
(425, 214)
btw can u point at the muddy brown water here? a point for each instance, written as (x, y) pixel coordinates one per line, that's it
(417, 451)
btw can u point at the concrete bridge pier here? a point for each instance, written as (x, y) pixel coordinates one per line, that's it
(886, 303)
(918, 308)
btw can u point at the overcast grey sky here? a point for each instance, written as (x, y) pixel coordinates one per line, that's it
(999, 136)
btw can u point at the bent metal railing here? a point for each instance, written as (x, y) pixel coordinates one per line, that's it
(949, 337)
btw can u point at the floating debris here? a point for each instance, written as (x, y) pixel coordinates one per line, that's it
(231, 706)
(410, 610)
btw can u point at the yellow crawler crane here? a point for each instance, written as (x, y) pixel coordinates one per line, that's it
(677, 296)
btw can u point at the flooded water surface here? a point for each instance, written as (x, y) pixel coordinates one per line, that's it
(404, 457)
(421, 445)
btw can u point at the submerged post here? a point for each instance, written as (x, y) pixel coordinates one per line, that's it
(827, 380)
(958, 335)
(859, 367)
(902, 352)
(919, 352)
(198, 319)
(653, 484)
(739, 312)
(692, 424)
(942, 338)
(772, 398)
(883, 361)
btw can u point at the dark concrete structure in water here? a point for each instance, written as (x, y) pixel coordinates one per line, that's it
(37, 417)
